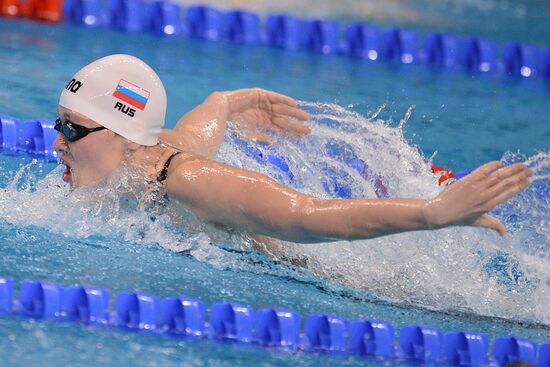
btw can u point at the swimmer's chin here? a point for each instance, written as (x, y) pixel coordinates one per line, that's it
(71, 177)
(68, 176)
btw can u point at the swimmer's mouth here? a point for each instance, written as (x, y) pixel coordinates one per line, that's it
(67, 174)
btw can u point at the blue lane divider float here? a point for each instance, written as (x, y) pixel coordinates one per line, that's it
(30, 139)
(326, 333)
(362, 40)
(6, 295)
(283, 31)
(399, 45)
(440, 49)
(278, 328)
(520, 59)
(82, 12)
(477, 54)
(420, 344)
(320, 36)
(317, 35)
(182, 316)
(86, 304)
(545, 63)
(241, 26)
(231, 321)
(35, 137)
(162, 18)
(137, 311)
(126, 15)
(544, 355)
(372, 338)
(466, 349)
(40, 299)
(270, 327)
(204, 22)
(509, 350)
(9, 128)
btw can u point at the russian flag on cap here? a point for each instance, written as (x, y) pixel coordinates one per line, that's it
(131, 94)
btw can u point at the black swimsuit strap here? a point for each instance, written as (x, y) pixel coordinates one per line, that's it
(164, 173)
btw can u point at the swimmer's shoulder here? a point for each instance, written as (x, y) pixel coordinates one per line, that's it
(176, 140)
(181, 181)
(183, 159)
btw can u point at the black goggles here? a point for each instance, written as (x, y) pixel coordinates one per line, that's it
(73, 132)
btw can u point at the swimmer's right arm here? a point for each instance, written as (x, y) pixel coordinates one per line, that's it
(255, 203)
(255, 111)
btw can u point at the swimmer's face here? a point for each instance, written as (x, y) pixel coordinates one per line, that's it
(92, 158)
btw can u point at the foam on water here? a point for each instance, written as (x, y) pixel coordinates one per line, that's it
(451, 270)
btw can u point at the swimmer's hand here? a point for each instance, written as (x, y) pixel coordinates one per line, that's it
(466, 202)
(258, 112)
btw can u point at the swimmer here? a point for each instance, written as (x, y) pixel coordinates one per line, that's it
(111, 114)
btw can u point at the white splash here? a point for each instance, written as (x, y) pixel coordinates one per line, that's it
(456, 269)
(116, 208)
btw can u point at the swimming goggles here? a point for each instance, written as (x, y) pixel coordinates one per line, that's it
(73, 132)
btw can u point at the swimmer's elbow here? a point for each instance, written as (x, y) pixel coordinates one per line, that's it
(219, 100)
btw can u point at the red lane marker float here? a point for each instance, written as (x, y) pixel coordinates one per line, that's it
(445, 175)
(44, 10)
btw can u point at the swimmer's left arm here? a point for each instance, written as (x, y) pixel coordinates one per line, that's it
(239, 198)
(255, 111)
(253, 202)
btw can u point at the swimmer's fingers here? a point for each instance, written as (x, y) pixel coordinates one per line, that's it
(487, 221)
(505, 173)
(278, 126)
(507, 188)
(256, 98)
(261, 138)
(257, 135)
(290, 126)
(273, 112)
(483, 171)
(290, 111)
(277, 98)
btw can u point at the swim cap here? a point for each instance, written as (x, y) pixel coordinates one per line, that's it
(122, 93)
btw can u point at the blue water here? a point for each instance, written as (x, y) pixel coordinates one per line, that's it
(456, 279)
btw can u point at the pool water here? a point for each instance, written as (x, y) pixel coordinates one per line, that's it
(453, 279)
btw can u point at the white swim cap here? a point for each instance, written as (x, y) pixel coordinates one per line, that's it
(122, 93)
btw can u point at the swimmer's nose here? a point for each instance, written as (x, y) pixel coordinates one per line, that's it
(60, 144)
